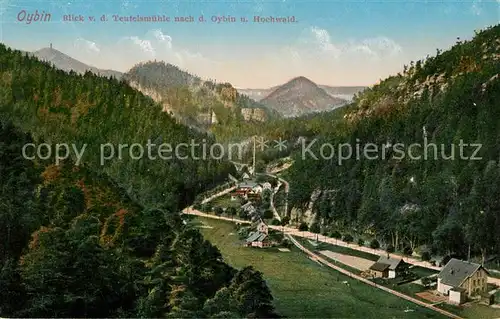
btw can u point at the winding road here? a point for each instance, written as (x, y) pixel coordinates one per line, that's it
(321, 238)
(219, 194)
(325, 262)
(283, 182)
(275, 191)
(291, 232)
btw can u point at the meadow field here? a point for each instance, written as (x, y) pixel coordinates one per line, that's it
(302, 288)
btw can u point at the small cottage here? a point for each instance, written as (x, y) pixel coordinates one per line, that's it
(258, 239)
(245, 187)
(379, 270)
(387, 267)
(249, 209)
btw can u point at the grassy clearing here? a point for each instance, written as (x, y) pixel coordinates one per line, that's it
(304, 289)
(473, 311)
(422, 272)
(411, 289)
(225, 201)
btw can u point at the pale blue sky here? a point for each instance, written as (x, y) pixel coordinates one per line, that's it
(333, 42)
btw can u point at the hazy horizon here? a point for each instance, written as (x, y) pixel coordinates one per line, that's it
(218, 80)
(335, 43)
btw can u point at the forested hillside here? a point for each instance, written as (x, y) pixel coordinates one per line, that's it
(74, 244)
(192, 99)
(447, 204)
(86, 109)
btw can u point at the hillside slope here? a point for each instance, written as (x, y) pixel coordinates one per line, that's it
(300, 96)
(438, 197)
(193, 100)
(75, 245)
(342, 92)
(257, 94)
(104, 114)
(67, 63)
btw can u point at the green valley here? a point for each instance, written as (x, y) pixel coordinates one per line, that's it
(250, 170)
(305, 289)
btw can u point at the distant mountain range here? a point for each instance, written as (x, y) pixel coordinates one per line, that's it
(343, 92)
(301, 96)
(67, 63)
(297, 97)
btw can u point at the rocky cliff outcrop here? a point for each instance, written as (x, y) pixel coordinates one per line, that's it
(228, 94)
(152, 94)
(253, 114)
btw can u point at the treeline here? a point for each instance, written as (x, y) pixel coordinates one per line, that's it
(74, 244)
(58, 107)
(211, 192)
(442, 205)
(190, 97)
(289, 129)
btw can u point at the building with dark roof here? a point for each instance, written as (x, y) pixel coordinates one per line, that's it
(387, 267)
(379, 270)
(462, 276)
(258, 239)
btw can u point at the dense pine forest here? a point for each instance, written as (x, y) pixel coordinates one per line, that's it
(443, 205)
(58, 107)
(95, 240)
(189, 97)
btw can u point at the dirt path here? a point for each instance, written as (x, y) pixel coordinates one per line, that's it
(191, 211)
(287, 188)
(280, 169)
(351, 261)
(333, 241)
(273, 208)
(316, 258)
(219, 194)
(368, 282)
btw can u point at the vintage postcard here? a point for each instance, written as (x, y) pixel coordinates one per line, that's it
(250, 159)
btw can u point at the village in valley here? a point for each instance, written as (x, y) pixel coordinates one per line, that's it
(251, 199)
(250, 159)
(253, 203)
(248, 202)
